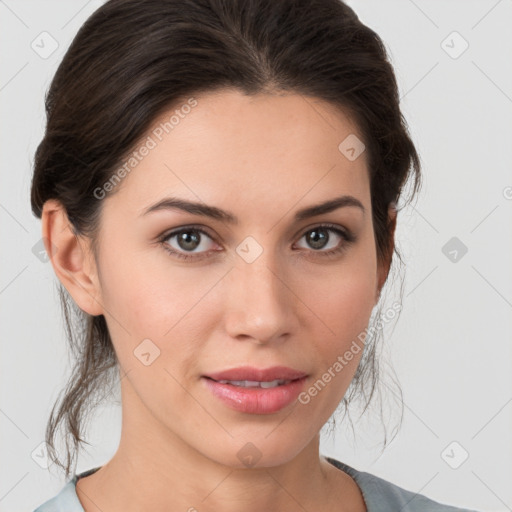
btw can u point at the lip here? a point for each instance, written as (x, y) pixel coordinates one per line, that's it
(256, 374)
(256, 400)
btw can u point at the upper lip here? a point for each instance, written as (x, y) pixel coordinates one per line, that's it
(258, 374)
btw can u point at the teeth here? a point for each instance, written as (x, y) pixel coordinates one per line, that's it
(255, 384)
(273, 383)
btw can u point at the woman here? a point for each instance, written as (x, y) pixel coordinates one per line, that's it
(217, 186)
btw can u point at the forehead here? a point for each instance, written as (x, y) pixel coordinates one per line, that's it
(226, 147)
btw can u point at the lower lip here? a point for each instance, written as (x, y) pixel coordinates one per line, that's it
(256, 400)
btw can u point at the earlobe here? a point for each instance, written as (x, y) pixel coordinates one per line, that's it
(71, 258)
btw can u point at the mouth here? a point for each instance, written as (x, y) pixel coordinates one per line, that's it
(255, 391)
(249, 374)
(254, 383)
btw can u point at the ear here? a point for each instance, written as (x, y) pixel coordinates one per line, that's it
(384, 267)
(71, 258)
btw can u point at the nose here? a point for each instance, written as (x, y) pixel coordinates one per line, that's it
(260, 305)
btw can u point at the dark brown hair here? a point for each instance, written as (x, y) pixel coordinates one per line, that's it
(134, 59)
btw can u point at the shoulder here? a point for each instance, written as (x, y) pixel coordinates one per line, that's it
(66, 500)
(383, 496)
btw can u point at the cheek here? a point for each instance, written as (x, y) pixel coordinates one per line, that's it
(148, 298)
(142, 292)
(353, 304)
(346, 312)
(343, 305)
(345, 308)
(344, 297)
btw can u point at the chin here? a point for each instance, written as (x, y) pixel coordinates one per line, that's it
(258, 451)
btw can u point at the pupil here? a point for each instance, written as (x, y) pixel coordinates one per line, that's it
(185, 238)
(318, 234)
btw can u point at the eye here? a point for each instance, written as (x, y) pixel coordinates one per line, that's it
(187, 239)
(319, 238)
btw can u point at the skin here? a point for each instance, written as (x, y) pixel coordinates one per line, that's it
(262, 158)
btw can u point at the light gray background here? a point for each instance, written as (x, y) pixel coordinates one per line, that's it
(451, 347)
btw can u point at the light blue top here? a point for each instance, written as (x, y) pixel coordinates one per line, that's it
(379, 495)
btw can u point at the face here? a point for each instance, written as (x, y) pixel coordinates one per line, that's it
(186, 295)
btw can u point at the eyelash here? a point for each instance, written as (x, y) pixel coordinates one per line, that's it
(345, 235)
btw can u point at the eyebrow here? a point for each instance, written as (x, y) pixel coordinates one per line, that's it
(194, 208)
